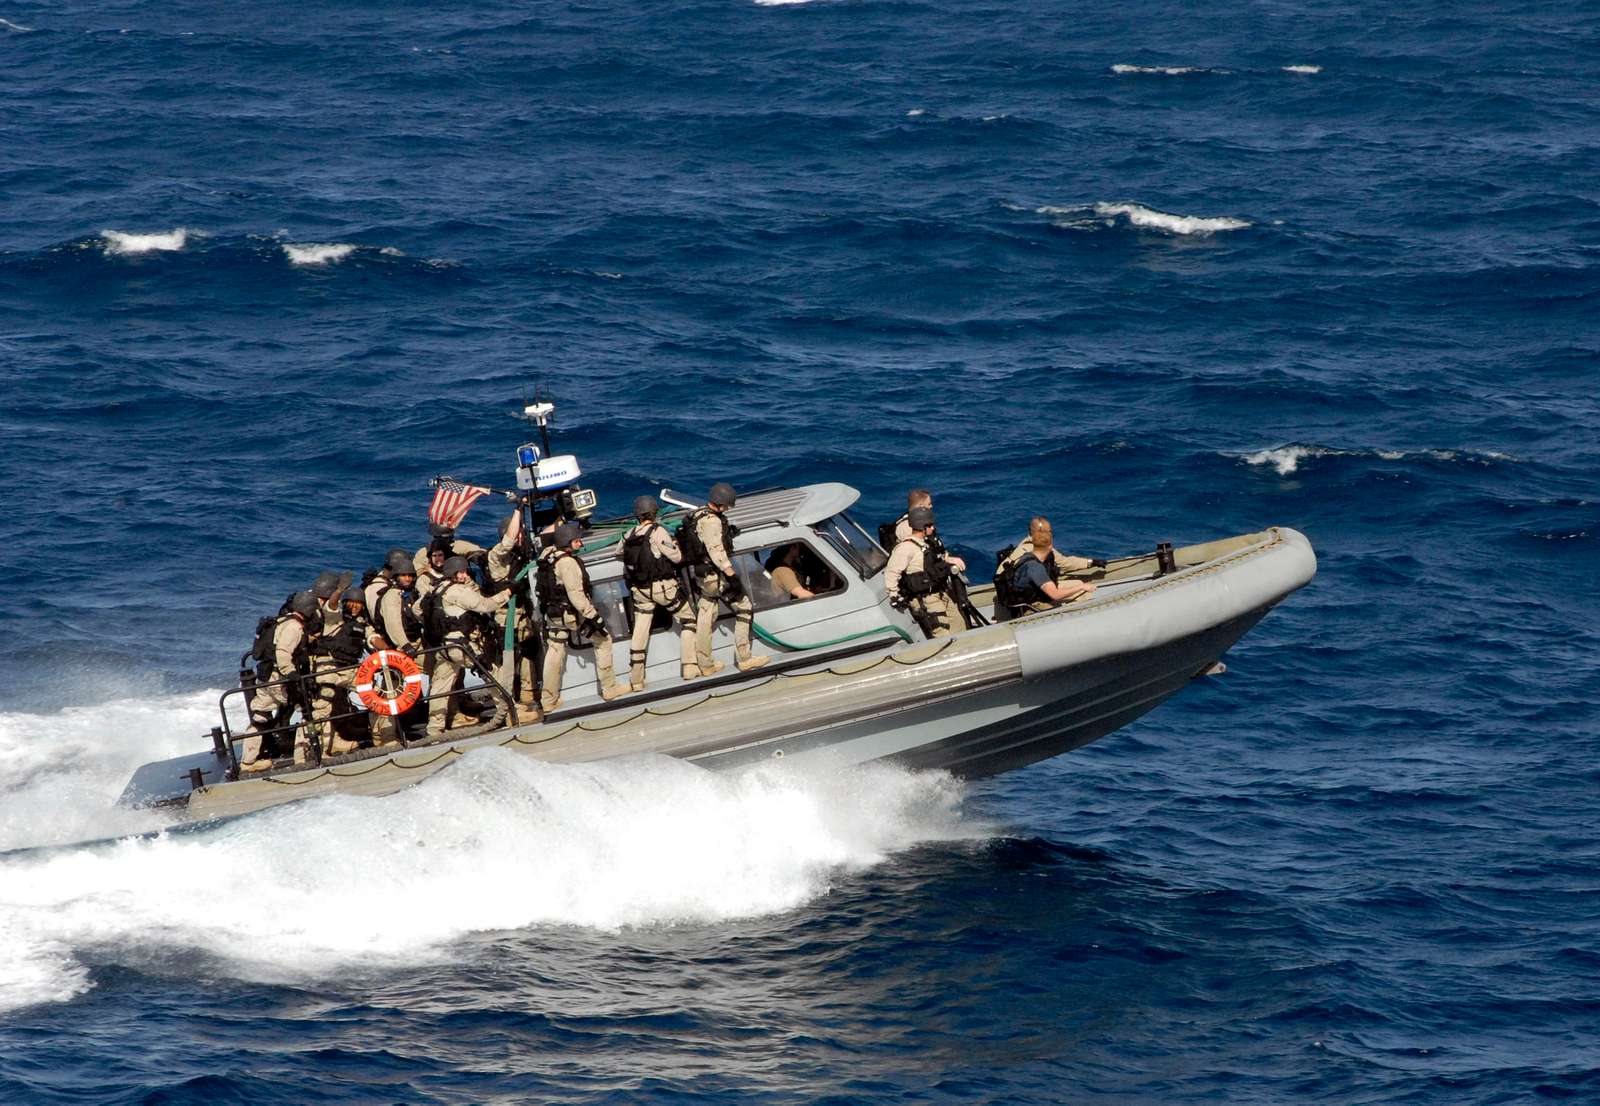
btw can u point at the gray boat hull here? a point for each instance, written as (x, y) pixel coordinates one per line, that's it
(988, 700)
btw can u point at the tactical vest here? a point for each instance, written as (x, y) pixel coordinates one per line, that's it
(436, 625)
(408, 618)
(1006, 589)
(553, 599)
(265, 650)
(494, 584)
(933, 577)
(641, 564)
(348, 644)
(694, 550)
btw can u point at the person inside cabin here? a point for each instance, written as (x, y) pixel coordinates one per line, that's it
(784, 566)
(1042, 577)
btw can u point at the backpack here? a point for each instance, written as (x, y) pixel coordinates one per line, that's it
(263, 651)
(367, 577)
(886, 534)
(1005, 580)
(641, 565)
(434, 623)
(694, 550)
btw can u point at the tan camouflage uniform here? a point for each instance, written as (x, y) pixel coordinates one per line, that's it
(559, 632)
(908, 556)
(666, 594)
(455, 600)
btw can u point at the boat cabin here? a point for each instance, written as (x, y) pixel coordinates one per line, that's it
(810, 528)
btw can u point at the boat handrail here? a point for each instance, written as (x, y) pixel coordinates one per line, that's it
(302, 689)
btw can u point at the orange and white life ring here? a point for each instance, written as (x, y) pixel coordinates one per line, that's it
(399, 688)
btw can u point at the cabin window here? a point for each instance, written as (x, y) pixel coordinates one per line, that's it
(800, 564)
(855, 544)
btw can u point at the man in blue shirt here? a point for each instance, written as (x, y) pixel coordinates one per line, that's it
(1041, 572)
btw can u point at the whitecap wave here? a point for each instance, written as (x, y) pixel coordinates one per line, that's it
(317, 253)
(17, 27)
(1287, 459)
(1088, 216)
(1148, 217)
(499, 841)
(915, 112)
(1306, 69)
(124, 244)
(1162, 70)
(780, 3)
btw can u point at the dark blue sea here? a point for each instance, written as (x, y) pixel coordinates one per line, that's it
(1157, 270)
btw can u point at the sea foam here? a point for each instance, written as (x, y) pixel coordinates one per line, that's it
(125, 244)
(1086, 216)
(498, 841)
(17, 27)
(1140, 216)
(1123, 69)
(1306, 69)
(317, 253)
(1286, 460)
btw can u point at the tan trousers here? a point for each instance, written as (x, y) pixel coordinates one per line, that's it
(558, 638)
(448, 665)
(946, 617)
(515, 665)
(713, 593)
(333, 687)
(265, 703)
(662, 593)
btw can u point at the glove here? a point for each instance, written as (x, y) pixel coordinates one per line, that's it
(1097, 562)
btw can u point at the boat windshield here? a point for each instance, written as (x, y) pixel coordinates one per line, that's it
(846, 535)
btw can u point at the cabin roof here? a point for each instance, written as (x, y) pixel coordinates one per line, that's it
(802, 506)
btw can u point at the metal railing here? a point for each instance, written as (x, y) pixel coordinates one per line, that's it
(290, 722)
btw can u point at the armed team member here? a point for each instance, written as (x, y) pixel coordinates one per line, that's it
(1038, 571)
(567, 600)
(280, 656)
(462, 608)
(373, 588)
(334, 657)
(650, 560)
(507, 557)
(917, 579)
(387, 599)
(443, 537)
(710, 549)
(326, 588)
(431, 575)
(921, 497)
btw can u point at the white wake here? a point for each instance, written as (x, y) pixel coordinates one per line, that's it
(498, 841)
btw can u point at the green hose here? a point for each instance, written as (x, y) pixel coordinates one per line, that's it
(774, 640)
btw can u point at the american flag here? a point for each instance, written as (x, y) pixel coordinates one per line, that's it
(452, 501)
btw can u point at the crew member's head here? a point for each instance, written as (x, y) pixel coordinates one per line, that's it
(355, 602)
(1039, 532)
(722, 497)
(919, 497)
(569, 536)
(920, 519)
(457, 569)
(645, 508)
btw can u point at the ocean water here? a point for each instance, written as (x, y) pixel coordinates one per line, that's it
(1159, 273)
